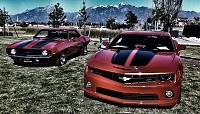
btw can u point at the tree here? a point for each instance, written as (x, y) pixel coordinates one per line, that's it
(84, 16)
(23, 24)
(3, 19)
(149, 20)
(196, 20)
(57, 16)
(131, 19)
(167, 11)
(110, 23)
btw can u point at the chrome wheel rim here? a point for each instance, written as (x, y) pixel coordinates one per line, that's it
(62, 59)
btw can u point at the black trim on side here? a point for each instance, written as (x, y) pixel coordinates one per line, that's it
(142, 58)
(23, 44)
(121, 57)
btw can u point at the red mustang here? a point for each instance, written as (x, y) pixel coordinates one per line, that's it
(49, 46)
(138, 68)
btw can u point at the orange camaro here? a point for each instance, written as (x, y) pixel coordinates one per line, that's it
(137, 68)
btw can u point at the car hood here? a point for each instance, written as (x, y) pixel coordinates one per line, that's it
(35, 44)
(136, 60)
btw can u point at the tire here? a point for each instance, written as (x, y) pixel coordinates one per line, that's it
(83, 50)
(179, 100)
(61, 59)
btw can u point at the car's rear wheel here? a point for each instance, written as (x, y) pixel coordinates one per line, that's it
(61, 59)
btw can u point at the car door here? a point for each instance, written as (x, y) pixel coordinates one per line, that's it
(75, 38)
(68, 44)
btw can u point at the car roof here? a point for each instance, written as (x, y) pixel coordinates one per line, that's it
(156, 33)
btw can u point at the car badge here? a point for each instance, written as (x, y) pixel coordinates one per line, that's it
(124, 78)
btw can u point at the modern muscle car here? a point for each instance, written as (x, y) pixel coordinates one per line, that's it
(49, 46)
(137, 68)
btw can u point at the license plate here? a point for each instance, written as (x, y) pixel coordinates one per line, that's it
(27, 61)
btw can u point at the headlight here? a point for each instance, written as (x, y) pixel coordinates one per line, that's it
(45, 53)
(13, 51)
(166, 76)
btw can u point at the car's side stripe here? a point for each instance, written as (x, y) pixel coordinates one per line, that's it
(121, 57)
(23, 44)
(142, 58)
(41, 44)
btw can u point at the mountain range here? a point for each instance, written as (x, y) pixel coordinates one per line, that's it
(96, 14)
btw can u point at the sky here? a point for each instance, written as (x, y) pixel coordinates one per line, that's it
(19, 6)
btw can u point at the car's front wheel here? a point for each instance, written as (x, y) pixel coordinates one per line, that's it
(61, 59)
(83, 50)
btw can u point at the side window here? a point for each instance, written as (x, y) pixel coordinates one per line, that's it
(73, 34)
(58, 34)
(42, 34)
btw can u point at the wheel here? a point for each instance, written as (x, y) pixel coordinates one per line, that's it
(61, 59)
(83, 50)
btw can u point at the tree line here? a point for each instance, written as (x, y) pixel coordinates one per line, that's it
(165, 11)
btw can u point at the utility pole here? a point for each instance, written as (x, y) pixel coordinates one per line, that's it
(4, 21)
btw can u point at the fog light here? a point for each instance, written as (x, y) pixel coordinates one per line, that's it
(88, 85)
(169, 94)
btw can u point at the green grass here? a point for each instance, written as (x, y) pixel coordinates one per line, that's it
(60, 89)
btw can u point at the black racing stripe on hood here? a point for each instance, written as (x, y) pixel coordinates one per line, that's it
(41, 44)
(120, 57)
(142, 58)
(23, 44)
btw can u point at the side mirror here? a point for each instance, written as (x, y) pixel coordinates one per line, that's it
(181, 47)
(33, 37)
(104, 44)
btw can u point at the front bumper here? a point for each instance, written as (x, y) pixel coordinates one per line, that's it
(33, 59)
(148, 93)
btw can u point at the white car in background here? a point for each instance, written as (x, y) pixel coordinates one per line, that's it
(103, 28)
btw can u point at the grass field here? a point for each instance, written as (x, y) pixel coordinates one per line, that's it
(52, 89)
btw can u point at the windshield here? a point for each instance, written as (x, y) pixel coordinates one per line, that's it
(149, 42)
(50, 34)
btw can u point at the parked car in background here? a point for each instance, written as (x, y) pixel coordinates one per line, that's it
(191, 31)
(103, 28)
(49, 46)
(137, 68)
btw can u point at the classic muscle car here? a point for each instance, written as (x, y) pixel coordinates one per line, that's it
(136, 68)
(49, 46)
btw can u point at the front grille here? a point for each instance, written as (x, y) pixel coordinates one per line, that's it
(127, 96)
(132, 78)
(26, 52)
